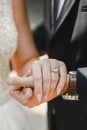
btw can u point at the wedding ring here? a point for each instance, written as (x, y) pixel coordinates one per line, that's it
(54, 69)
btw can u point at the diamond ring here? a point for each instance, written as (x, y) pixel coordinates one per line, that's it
(54, 69)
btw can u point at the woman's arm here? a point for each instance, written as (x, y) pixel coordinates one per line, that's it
(26, 49)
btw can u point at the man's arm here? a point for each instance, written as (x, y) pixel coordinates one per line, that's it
(82, 82)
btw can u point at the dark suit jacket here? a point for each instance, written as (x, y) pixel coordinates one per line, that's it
(67, 41)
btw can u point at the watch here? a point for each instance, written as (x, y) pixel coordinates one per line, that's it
(71, 93)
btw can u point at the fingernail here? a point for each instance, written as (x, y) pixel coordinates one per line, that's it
(39, 97)
(27, 95)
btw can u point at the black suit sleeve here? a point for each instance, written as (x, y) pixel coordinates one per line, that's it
(39, 35)
(82, 82)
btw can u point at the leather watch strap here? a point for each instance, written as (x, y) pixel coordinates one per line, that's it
(72, 89)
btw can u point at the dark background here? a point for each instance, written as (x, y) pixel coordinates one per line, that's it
(35, 11)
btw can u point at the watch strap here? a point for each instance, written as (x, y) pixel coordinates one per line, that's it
(71, 93)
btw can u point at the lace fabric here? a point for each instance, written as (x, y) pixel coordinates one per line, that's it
(12, 114)
(8, 42)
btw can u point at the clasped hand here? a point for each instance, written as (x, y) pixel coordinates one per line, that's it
(46, 80)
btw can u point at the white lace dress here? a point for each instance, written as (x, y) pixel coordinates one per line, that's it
(12, 115)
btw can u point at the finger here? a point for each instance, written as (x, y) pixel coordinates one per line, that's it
(20, 81)
(36, 73)
(54, 83)
(19, 96)
(28, 73)
(46, 78)
(63, 77)
(65, 88)
(33, 102)
(28, 92)
(54, 76)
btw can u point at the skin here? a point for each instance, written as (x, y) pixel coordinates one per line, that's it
(23, 57)
(40, 84)
(26, 51)
(58, 89)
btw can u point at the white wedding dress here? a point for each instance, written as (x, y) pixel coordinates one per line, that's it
(13, 116)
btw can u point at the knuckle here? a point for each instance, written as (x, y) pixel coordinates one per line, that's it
(46, 90)
(17, 83)
(35, 63)
(62, 63)
(45, 96)
(54, 80)
(53, 60)
(53, 87)
(38, 79)
(64, 77)
(46, 81)
(45, 61)
(38, 91)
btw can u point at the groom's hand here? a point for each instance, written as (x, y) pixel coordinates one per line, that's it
(49, 83)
